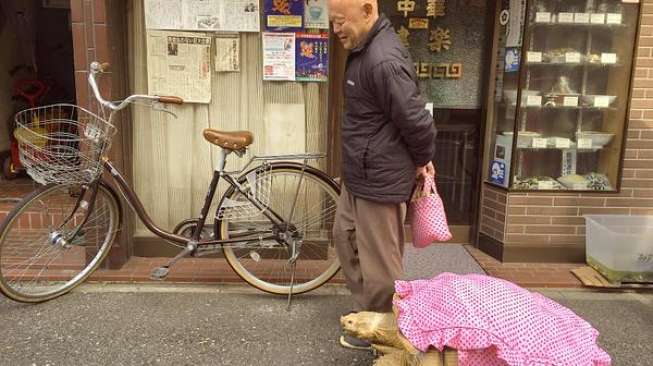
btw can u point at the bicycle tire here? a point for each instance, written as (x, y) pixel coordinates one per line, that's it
(276, 283)
(33, 269)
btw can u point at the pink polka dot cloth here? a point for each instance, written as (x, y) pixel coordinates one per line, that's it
(492, 322)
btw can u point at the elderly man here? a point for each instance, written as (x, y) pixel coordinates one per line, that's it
(387, 141)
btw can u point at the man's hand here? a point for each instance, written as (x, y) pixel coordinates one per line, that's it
(425, 171)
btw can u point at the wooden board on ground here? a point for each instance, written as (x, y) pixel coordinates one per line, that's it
(592, 278)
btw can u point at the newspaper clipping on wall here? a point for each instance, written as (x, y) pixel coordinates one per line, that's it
(227, 53)
(203, 15)
(179, 64)
(279, 56)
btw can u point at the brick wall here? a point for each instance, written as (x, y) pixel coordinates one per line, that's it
(99, 34)
(90, 40)
(551, 227)
(493, 213)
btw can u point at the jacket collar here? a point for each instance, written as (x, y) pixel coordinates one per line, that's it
(381, 24)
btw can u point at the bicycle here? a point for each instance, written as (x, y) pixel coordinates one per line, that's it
(273, 223)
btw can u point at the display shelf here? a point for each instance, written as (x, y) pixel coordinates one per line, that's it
(567, 71)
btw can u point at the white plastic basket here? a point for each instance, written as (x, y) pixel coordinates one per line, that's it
(620, 247)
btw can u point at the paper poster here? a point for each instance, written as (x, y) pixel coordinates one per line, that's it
(203, 15)
(515, 23)
(512, 60)
(284, 15)
(498, 172)
(242, 16)
(316, 14)
(227, 54)
(312, 57)
(179, 64)
(279, 56)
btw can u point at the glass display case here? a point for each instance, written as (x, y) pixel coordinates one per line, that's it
(561, 94)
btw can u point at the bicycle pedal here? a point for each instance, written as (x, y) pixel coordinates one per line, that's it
(160, 273)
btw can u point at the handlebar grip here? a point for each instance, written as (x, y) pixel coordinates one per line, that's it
(171, 100)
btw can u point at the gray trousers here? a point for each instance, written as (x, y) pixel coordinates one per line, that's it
(369, 239)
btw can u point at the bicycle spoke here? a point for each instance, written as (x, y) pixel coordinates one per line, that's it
(33, 266)
(311, 203)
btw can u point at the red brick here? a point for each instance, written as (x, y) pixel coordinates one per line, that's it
(642, 211)
(488, 212)
(496, 206)
(639, 163)
(100, 11)
(640, 144)
(515, 229)
(636, 114)
(102, 47)
(603, 211)
(567, 239)
(76, 11)
(629, 202)
(579, 201)
(550, 229)
(637, 183)
(518, 211)
(568, 220)
(81, 88)
(536, 220)
(553, 211)
(643, 193)
(640, 124)
(527, 239)
(644, 174)
(79, 45)
(645, 154)
(488, 194)
(530, 201)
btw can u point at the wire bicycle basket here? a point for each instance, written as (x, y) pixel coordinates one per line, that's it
(62, 143)
(257, 186)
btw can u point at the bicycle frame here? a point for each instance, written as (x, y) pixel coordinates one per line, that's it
(134, 202)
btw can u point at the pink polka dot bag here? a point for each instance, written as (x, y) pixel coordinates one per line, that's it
(428, 219)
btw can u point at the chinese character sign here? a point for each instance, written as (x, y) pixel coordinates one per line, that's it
(440, 39)
(435, 8)
(406, 6)
(448, 42)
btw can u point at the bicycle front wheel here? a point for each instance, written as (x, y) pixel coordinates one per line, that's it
(54, 239)
(306, 200)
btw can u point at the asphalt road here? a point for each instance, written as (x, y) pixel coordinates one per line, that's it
(197, 325)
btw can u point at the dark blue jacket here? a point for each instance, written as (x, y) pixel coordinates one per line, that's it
(386, 132)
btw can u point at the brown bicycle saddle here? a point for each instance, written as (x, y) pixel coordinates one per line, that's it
(235, 140)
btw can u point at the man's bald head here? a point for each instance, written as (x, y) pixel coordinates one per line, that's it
(352, 20)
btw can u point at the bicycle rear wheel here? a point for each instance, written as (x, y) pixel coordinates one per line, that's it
(54, 239)
(264, 264)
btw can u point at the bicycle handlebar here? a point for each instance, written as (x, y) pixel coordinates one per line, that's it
(98, 68)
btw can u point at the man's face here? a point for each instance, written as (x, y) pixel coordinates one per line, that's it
(350, 23)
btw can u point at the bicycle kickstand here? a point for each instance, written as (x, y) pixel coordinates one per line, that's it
(293, 264)
(161, 273)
